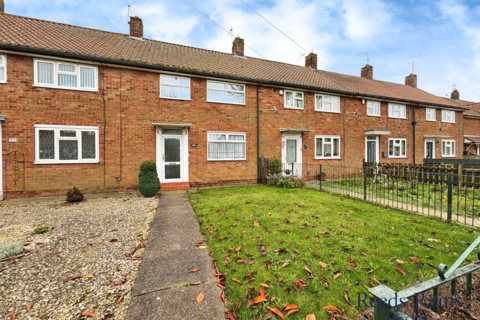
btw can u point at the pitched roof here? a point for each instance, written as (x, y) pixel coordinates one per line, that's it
(96, 45)
(474, 139)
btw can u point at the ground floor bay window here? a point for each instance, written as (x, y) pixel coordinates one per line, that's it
(66, 144)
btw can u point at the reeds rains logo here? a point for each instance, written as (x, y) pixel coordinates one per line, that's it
(407, 279)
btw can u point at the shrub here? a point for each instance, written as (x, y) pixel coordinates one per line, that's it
(10, 249)
(41, 229)
(275, 165)
(286, 182)
(75, 195)
(148, 182)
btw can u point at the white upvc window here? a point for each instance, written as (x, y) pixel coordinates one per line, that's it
(327, 103)
(224, 92)
(373, 108)
(431, 114)
(327, 147)
(226, 146)
(65, 75)
(3, 68)
(448, 116)
(173, 87)
(397, 148)
(448, 148)
(66, 144)
(397, 111)
(293, 99)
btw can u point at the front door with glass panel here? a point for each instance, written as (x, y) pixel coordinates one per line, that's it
(172, 159)
(430, 149)
(372, 149)
(292, 154)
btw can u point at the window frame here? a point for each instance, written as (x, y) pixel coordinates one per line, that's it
(4, 65)
(56, 72)
(444, 114)
(406, 148)
(391, 113)
(57, 138)
(323, 97)
(183, 86)
(332, 157)
(432, 110)
(453, 149)
(379, 108)
(293, 92)
(227, 133)
(227, 83)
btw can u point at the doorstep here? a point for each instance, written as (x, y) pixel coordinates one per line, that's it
(174, 186)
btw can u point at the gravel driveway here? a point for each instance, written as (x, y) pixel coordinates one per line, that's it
(91, 240)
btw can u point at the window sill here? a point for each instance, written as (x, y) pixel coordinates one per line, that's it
(448, 156)
(68, 162)
(430, 120)
(292, 108)
(213, 160)
(392, 157)
(390, 117)
(64, 88)
(337, 112)
(374, 115)
(328, 158)
(168, 98)
(238, 104)
(448, 121)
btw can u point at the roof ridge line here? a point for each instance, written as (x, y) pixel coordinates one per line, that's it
(342, 85)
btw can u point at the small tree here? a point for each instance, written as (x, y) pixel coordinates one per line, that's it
(148, 182)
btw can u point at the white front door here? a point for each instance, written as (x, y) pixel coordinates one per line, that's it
(172, 155)
(292, 153)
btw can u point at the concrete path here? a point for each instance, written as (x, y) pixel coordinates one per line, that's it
(161, 289)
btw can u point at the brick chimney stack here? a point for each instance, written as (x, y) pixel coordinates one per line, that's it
(411, 80)
(2, 6)
(238, 47)
(311, 61)
(367, 72)
(136, 27)
(455, 95)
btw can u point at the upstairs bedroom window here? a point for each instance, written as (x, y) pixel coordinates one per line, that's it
(431, 114)
(65, 75)
(327, 103)
(66, 144)
(223, 92)
(448, 116)
(172, 87)
(397, 111)
(3, 69)
(373, 108)
(293, 100)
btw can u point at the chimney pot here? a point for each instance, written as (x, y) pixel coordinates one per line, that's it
(2, 6)
(367, 72)
(311, 61)
(455, 95)
(411, 80)
(136, 27)
(238, 47)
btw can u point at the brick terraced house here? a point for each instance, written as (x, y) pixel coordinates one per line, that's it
(84, 107)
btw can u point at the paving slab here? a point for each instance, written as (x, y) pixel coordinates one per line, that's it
(160, 290)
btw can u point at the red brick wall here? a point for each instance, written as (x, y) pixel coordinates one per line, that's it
(133, 97)
(472, 127)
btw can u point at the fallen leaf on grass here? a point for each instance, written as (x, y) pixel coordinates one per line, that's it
(88, 314)
(276, 311)
(264, 285)
(345, 315)
(259, 299)
(250, 302)
(416, 260)
(345, 296)
(237, 281)
(332, 308)
(322, 264)
(200, 297)
(311, 317)
(291, 307)
(400, 261)
(256, 223)
(363, 254)
(338, 275)
(193, 270)
(269, 315)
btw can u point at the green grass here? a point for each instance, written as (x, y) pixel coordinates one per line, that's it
(41, 230)
(352, 224)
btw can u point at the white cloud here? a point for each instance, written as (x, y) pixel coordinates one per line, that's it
(364, 19)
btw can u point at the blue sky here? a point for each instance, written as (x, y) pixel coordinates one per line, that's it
(442, 37)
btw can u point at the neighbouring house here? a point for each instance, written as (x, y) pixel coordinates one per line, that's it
(84, 107)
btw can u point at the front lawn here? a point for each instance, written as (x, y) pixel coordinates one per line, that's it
(300, 230)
